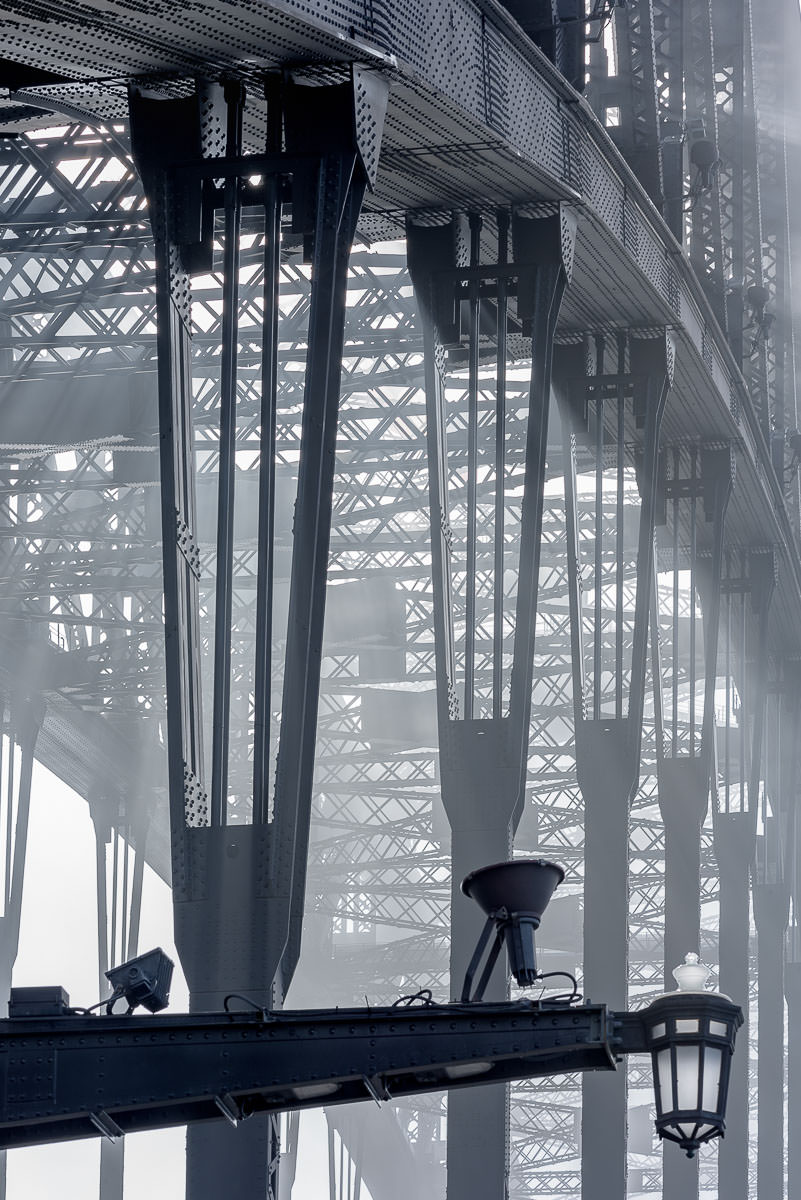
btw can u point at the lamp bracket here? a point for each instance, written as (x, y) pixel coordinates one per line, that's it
(493, 921)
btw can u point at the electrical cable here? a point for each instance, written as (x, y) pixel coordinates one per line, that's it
(571, 997)
(265, 1012)
(80, 1011)
(424, 997)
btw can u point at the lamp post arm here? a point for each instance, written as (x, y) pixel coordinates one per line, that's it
(629, 1033)
(75, 1076)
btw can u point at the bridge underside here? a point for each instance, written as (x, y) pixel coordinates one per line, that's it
(530, 351)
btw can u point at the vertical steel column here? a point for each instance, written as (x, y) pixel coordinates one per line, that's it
(734, 844)
(229, 330)
(607, 741)
(734, 833)
(739, 195)
(161, 131)
(770, 918)
(112, 1154)
(775, 40)
(269, 364)
(670, 50)
(483, 759)
(684, 764)
(117, 927)
(238, 890)
(706, 241)
(792, 993)
(729, 51)
(24, 716)
(792, 964)
(340, 188)
(633, 93)
(771, 913)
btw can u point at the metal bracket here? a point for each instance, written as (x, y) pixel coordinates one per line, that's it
(229, 1108)
(196, 800)
(104, 1124)
(187, 545)
(377, 1088)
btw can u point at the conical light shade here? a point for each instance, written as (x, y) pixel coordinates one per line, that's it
(523, 886)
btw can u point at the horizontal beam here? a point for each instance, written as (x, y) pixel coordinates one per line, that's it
(78, 1076)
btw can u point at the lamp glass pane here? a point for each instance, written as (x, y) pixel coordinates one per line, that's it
(687, 1065)
(658, 1031)
(687, 1026)
(703, 1130)
(718, 1028)
(664, 1091)
(713, 1057)
(687, 1129)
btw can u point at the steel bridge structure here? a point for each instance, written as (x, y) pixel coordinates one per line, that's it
(399, 471)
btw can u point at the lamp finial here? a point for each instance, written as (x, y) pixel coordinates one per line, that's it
(691, 975)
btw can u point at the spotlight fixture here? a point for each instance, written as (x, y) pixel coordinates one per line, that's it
(514, 896)
(144, 980)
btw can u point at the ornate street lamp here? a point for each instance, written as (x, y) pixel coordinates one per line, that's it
(691, 1036)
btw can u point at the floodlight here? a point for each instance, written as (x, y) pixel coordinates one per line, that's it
(144, 980)
(514, 896)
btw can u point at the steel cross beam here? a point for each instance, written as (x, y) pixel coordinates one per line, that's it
(74, 1076)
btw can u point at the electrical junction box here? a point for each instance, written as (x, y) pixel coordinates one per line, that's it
(38, 1002)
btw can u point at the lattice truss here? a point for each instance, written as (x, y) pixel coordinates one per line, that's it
(81, 575)
(669, 75)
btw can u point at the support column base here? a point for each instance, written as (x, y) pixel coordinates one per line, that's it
(222, 1161)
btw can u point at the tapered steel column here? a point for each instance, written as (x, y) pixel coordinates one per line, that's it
(117, 923)
(608, 779)
(772, 874)
(238, 889)
(734, 845)
(685, 729)
(770, 918)
(480, 790)
(792, 993)
(484, 723)
(683, 801)
(21, 719)
(792, 981)
(609, 408)
(734, 833)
